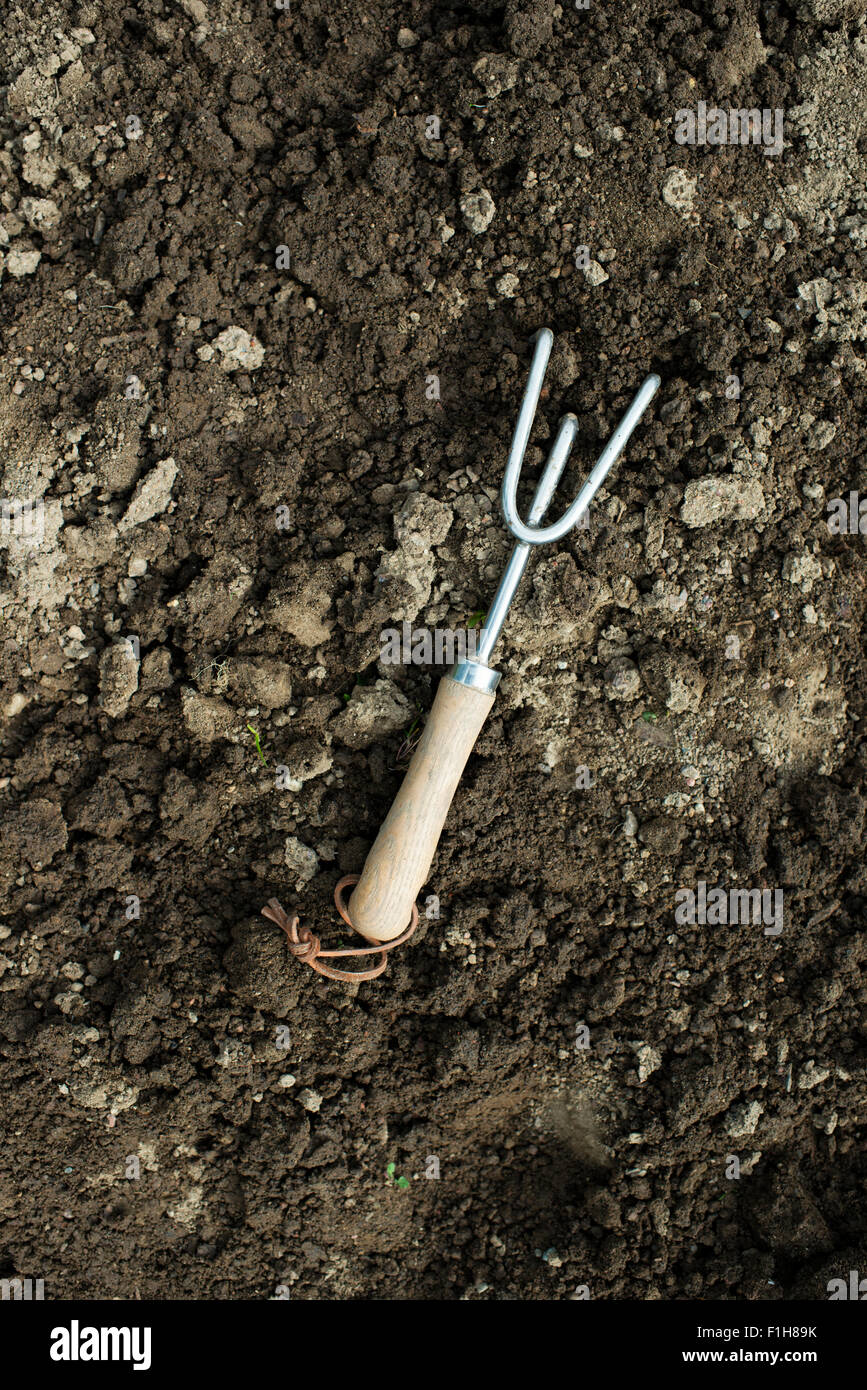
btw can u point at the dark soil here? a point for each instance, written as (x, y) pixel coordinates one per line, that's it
(173, 170)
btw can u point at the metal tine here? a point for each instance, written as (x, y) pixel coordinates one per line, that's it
(554, 467)
(604, 464)
(530, 399)
(526, 415)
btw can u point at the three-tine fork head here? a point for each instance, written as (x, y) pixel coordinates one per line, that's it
(530, 532)
(478, 673)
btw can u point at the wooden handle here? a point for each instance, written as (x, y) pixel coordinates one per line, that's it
(400, 860)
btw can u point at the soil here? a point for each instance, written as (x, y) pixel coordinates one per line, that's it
(265, 329)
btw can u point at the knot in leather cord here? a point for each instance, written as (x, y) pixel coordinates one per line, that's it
(303, 944)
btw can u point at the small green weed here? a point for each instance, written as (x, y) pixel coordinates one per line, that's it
(262, 759)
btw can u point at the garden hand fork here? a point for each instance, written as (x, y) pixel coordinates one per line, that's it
(399, 862)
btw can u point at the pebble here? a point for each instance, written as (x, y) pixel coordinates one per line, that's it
(311, 1100)
(238, 349)
(679, 191)
(118, 679)
(478, 210)
(152, 495)
(721, 497)
(594, 273)
(742, 1119)
(302, 860)
(649, 1061)
(41, 213)
(496, 72)
(802, 570)
(622, 679)
(20, 263)
(39, 170)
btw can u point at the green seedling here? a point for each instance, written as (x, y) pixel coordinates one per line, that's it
(476, 618)
(398, 1182)
(359, 680)
(262, 758)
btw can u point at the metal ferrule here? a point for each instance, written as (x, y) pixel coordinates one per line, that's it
(475, 675)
